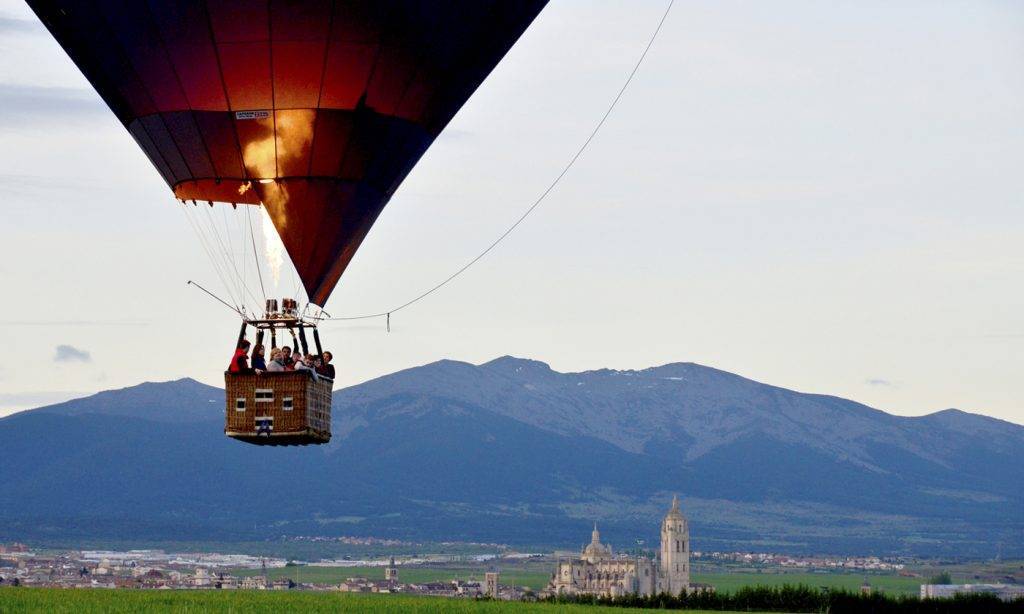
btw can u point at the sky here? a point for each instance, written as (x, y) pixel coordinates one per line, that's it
(826, 197)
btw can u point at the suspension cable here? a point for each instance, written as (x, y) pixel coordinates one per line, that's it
(539, 200)
(217, 247)
(229, 247)
(219, 299)
(204, 243)
(224, 241)
(244, 289)
(241, 245)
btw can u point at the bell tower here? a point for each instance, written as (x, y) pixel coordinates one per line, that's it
(391, 572)
(675, 551)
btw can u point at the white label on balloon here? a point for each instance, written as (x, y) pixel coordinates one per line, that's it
(252, 114)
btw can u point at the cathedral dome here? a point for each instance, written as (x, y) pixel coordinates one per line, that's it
(595, 550)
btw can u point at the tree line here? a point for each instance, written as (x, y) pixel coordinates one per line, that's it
(804, 599)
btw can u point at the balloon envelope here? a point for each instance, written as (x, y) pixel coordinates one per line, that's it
(317, 109)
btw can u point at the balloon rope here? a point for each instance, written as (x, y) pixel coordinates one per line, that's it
(220, 252)
(243, 289)
(204, 243)
(242, 246)
(229, 250)
(219, 299)
(540, 198)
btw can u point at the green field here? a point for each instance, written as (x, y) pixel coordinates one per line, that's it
(537, 577)
(334, 575)
(888, 584)
(113, 601)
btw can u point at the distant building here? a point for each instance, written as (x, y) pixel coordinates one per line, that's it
(355, 585)
(281, 584)
(599, 572)
(254, 583)
(675, 552)
(491, 584)
(1006, 592)
(391, 572)
(201, 578)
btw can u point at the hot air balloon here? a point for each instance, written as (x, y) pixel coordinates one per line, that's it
(312, 110)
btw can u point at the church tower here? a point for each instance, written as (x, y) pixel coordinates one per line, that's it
(675, 551)
(391, 572)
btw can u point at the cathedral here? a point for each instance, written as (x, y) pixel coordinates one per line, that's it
(599, 572)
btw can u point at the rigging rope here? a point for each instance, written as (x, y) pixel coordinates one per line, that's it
(241, 245)
(229, 258)
(536, 202)
(204, 243)
(219, 299)
(229, 248)
(217, 247)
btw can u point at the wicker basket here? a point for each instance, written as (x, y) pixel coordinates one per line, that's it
(288, 408)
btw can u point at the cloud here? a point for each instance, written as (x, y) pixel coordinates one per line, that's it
(875, 381)
(27, 104)
(13, 25)
(68, 353)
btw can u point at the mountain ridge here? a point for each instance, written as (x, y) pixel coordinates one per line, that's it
(192, 381)
(512, 450)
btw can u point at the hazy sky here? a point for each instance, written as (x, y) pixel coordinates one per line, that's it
(823, 196)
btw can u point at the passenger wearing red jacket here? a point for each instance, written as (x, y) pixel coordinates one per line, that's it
(240, 361)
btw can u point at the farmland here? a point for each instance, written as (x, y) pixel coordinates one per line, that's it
(533, 577)
(889, 584)
(536, 577)
(115, 601)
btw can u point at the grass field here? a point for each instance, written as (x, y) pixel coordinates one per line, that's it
(110, 601)
(538, 578)
(334, 575)
(888, 584)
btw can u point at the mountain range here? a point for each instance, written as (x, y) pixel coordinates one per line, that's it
(513, 451)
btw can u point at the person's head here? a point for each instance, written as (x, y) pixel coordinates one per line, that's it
(286, 352)
(327, 357)
(308, 359)
(258, 350)
(243, 345)
(275, 353)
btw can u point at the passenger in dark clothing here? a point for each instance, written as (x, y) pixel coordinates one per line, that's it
(240, 361)
(326, 368)
(259, 363)
(286, 359)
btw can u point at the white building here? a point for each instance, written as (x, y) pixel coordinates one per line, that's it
(1006, 592)
(599, 572)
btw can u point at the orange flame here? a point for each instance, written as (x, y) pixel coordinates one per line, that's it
(294, 135)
